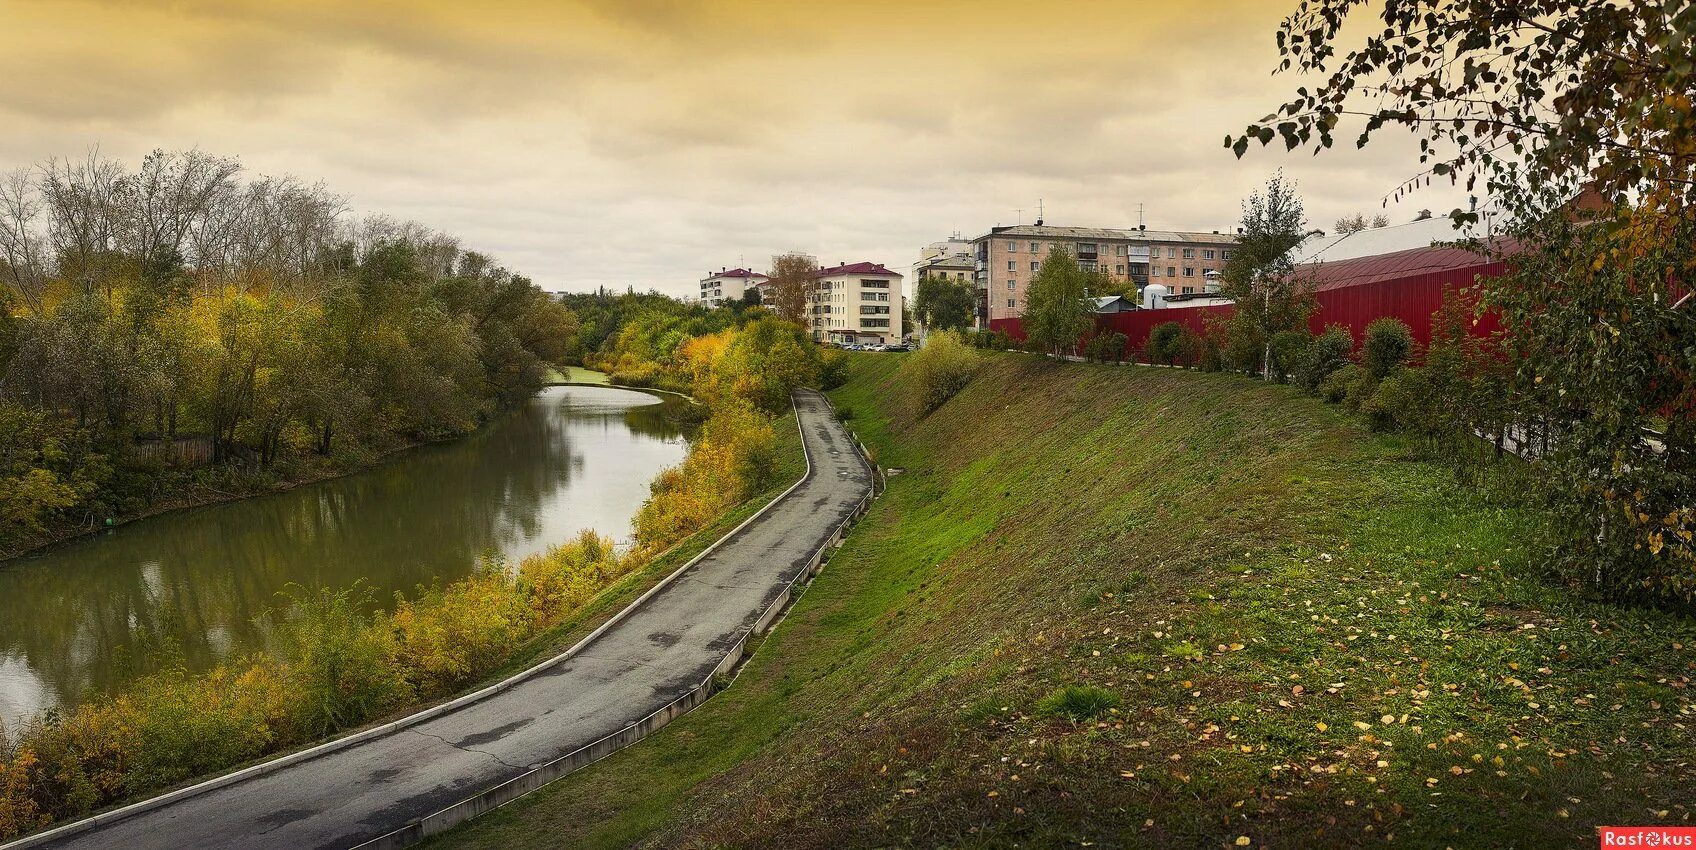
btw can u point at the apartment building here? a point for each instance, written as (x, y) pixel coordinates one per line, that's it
(1006, 259)
(728, 285)
(855, 302)
(949, 258)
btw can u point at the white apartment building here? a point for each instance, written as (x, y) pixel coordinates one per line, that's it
(947, 259)
(728, 285)
(855, 302)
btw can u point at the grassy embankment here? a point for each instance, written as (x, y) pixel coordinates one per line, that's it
(1310, 640)
(577, 375)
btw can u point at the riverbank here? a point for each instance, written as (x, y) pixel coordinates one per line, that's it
(578, 375)
(1147, 607)
(237, 484)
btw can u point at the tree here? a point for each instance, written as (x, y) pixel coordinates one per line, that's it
(1057, 308)
(1261, 277)
(1162, 346)
(945, 304)
(1357, 222)
(791, 282)
(1575, 120)
(1536, 99)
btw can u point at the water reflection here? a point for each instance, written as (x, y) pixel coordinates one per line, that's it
(191, 585)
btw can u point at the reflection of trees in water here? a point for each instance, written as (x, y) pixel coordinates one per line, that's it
(662, 421)
(190, 586)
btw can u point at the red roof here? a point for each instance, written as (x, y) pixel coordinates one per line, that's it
(737, 273)
(873, 269)
(1392, 266)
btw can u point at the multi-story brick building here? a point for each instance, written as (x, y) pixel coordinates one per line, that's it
(728, 285)
(1007, 258)
(855, 302)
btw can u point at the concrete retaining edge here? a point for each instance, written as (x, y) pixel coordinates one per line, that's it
(273, 765)
(493, 798)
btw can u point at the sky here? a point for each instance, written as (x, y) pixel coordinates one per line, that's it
(647, 142)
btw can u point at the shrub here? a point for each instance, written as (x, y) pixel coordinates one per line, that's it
(1386, 402)
(1163, 341)
(940, 370)
(638, 375)
(1106, 347)
(1289, 350)
(734, 455)
(560, 580)
(19, 812)
(1335, 387)
(340, 668)
(1078, 703)
(1329, 352)
(446, 637)
(187, 726)
(1189, 349)
(833, 368)
(1388, 344)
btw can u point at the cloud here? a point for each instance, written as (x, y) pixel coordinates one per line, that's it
(644, 141)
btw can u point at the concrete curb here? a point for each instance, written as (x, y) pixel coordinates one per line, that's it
(588, 754)
(267, 767)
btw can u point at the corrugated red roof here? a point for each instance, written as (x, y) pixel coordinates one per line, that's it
(873, 269)
(1392, 266)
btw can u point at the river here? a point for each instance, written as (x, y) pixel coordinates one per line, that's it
(88, 615)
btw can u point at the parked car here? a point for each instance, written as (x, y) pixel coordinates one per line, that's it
(897, 346)
(876, 346)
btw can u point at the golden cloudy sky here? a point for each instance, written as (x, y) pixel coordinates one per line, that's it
(645, 141)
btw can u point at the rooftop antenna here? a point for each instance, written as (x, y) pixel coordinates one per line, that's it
(1039, 215)
(1140, 222)
(1021, 214)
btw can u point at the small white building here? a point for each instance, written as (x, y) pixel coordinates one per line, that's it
(728, 285)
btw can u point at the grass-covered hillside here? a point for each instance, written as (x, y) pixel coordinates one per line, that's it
(1149, 607)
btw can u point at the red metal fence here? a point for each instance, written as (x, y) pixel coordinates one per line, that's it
(1411, 298)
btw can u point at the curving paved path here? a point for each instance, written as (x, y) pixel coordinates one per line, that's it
(667, 646)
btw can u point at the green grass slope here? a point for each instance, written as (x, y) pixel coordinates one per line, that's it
(1147, 607)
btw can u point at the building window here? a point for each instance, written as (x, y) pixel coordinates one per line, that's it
(1189, 271)
(1171, 271)
(1011, 265)
(1189, 290)
(1036, 266)
(1036, 247)
(1121, 251)
(1013, 247)
(1153, 271)
(1189, 253)
(1009, 302)
(1171, 253)
(1119, 269)
(1207, 254)
(1225, 254)
(1010, 285)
